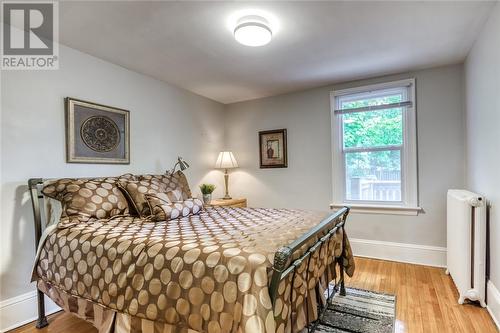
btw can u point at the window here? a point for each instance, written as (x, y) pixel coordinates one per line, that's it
(374, 148)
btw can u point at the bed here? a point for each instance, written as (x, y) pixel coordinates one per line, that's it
(223, 269)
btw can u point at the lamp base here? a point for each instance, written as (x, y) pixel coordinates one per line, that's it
(226, 185)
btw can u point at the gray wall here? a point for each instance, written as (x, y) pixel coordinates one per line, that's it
(165, 122)
(307, 182)
(482, 77)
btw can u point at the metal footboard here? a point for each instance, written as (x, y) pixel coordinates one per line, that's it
(284, 266)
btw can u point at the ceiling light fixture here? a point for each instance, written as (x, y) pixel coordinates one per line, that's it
(253, 30)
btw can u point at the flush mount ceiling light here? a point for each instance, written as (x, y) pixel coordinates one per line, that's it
(253, 30)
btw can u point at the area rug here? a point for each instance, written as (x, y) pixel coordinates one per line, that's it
(360, 311)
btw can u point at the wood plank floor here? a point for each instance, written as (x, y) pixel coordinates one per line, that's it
(426, 301)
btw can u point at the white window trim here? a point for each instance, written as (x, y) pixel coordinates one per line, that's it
(409, 184)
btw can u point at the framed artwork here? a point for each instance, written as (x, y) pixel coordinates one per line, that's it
(273, 150)
(96, 133)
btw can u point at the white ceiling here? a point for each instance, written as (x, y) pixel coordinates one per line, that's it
(190, 45)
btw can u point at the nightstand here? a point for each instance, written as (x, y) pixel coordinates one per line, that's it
(240, 202)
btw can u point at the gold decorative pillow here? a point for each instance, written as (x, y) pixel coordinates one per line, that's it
(163, 209)
(173, 181)
(127, 176)
(86, 199)
(135, 190)
(175, 195)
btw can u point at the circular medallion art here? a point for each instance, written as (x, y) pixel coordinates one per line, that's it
(100, 134)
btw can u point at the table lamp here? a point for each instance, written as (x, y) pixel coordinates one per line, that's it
(226, 161)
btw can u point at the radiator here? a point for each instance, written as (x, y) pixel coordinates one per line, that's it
(466, 242)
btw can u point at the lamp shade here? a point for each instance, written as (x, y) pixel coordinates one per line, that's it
(226, 160)
(183, 165)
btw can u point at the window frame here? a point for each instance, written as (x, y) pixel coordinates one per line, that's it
(409, 163)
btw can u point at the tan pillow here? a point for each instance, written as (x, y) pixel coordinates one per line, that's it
(174, 181)
(136, 190)
(86, 199)
(175, 195)
(164, 210)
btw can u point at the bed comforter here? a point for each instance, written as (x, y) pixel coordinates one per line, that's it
(207, 273)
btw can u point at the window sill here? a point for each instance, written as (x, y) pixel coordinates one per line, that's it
(378, 209)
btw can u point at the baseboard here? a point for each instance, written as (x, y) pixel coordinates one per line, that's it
(22, 309)
(493, 303)
(408, 253)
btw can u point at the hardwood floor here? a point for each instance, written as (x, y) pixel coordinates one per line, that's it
(426, 301)
(59, 322)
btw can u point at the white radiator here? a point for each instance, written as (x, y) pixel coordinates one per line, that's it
(466, 237)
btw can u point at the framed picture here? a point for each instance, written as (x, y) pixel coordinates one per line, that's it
(273, 151)
(96, 133)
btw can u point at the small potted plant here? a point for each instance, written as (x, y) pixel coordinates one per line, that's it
(206, 190)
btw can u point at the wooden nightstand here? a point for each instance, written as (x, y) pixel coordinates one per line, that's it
(240, 202)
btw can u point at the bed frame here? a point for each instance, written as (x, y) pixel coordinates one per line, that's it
(283, 265)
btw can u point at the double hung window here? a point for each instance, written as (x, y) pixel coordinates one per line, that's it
(374, 147)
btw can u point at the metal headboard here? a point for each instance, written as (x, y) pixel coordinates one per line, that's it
(36, 197)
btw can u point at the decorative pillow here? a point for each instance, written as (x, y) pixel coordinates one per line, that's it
(136, 190)
(127, 176)
(163, 209)
(86, 199)
(175, 195)
(174, 181)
